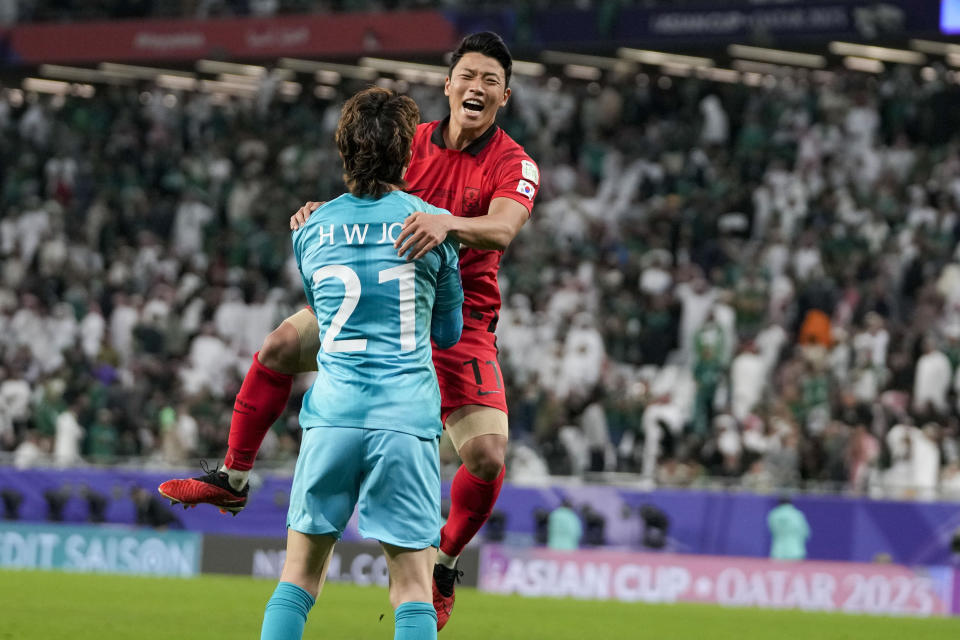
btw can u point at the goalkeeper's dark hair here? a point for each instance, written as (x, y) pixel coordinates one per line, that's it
(487, 43)
(374, 137)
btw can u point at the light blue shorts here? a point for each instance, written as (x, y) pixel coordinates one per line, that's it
(393, 477)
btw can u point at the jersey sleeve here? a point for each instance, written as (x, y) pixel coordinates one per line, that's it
(518, 178)
(449, 288)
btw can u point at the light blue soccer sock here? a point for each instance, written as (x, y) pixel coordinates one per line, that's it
(286, 613)
(415, 621)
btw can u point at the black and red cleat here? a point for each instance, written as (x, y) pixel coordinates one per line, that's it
(211, 488)
(444, 592)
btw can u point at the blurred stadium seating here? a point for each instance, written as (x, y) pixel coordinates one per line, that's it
(745, 275)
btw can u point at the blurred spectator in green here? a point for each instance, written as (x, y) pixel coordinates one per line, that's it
(564, 528)
(789, 531)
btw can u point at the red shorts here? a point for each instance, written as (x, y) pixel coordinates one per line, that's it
(469, 373)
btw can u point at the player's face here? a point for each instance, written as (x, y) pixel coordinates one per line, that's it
(476, 88)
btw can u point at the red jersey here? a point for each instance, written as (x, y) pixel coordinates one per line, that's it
(464, 183)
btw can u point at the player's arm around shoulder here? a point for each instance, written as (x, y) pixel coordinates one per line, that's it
(495, 230)
(517, 183)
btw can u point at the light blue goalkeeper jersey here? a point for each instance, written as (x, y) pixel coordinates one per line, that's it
(373, 313)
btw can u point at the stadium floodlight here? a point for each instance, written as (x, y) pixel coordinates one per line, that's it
(617, 65)
(866, 65)
(229, 88)
(717, 74)
(765, 68)
(877, 53)
(42, 85)
(218, 66)
(582, 72)
(524, 68)
(777, 56)
(953, 59)
(138, 72)
(410, 71)
(313, 66)
(752, 78)
(661, 58)
(676, 69)
(935, 48)
(239, 78)
(180, 83)
(80, 74)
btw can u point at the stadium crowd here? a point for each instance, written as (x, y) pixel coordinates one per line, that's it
(757, 283)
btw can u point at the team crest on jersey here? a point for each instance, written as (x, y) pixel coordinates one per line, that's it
(529, 171)
(526, 189)
(471, 200)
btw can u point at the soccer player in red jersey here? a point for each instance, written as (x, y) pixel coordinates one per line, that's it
(469, 166)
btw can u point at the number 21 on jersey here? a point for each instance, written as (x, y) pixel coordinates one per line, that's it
(405, 274)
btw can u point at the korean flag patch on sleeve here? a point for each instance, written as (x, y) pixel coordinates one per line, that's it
(529, 171)
(526, 189)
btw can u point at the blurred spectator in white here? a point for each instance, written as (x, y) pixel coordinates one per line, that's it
(921, 214)
(672, 392)
(188, 432)
(192, 217)
(931, 380)
(583, 356)
(729, 443)
(93, 329)
(123, 319)
(861, 123)
(875, 338)
(30, 452)
(716, 128)
(926, 460)
(597, 434)
(526, 465)
(14, 405)
(208, 364)
(696, 297)
(915, 467)
(31, 227)
(748, 381)
(69, 436)
(656, 277)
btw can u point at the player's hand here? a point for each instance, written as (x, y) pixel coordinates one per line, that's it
(420, 234)
(299, 219)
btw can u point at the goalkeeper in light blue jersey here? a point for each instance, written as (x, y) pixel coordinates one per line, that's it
(371, 420)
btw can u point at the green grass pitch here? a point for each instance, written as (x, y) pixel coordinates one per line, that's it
(54, 605)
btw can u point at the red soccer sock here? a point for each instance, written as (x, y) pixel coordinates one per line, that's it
(471, 503)
(262, 398)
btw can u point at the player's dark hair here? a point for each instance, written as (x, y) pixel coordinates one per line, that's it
(374, 138)
(489, 44)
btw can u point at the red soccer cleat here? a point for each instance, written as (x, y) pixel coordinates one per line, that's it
(444, 593)
(211, 488)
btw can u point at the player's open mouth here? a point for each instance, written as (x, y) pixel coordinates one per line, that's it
(473, 105)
